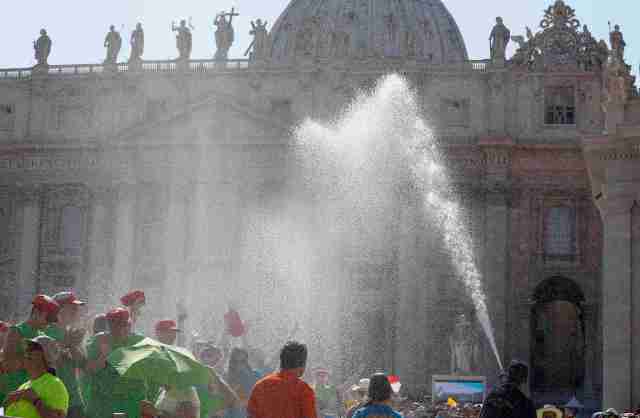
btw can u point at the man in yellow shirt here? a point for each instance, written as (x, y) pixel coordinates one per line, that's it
(43, 395)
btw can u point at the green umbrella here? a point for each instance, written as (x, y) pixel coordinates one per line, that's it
(159, 364)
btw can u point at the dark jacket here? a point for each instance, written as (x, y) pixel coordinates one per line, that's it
(507, 401)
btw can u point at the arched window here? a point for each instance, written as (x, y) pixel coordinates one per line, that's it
(71, 231)
(558, 337)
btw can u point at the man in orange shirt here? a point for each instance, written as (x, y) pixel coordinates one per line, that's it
(284, 394)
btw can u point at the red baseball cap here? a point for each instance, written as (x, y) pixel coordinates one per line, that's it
(118, 315)
(167, 325)
(46, 304)
(67, 298)
(4, 327)
(133, 297)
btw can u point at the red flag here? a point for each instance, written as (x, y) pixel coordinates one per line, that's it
(234, 324)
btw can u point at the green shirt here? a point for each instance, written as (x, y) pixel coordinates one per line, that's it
(12, 381)
(51, 392)
(110, 392)
(67, 369)
(210, 403)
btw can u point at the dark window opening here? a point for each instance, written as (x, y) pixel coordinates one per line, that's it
(560, 106)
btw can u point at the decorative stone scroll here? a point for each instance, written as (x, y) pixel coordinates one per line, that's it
(560, 46)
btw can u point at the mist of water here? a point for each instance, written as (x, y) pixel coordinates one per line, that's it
(380, 144)
(314, 252)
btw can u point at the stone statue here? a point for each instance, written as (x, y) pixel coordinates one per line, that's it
(617, 44)
(42, 48)
(529, 33)
(184, 40)
(340, 43)
(340, 38)
(465, 347)
(391, 28)
(259, 48)
(113, 43)
(305, 38)
(137, 44)
(409, 45)
(499, 40)
(224, 34)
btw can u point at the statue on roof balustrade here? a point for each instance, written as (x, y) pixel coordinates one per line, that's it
(225, 34)
(113, 43)
(137, 44)
(184, 39)
(259, 48)
(617, 44)
(499, 39)
(42, 48)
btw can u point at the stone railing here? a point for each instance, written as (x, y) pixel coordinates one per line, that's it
(15, 73)
(192, 66)
(168, 66)
(480, 65)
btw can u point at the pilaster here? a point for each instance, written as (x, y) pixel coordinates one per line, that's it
(100, 246)
(124, 242)
(614, 169)
(496, 270)
(29, 214)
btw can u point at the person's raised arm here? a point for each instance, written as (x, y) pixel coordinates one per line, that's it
(229, 396)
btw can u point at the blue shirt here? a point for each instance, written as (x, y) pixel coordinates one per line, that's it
(376, 411)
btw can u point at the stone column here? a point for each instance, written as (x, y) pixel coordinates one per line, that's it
(124, 243)
(175, 239)
(617, 298)
(30, 205)
(100, 250)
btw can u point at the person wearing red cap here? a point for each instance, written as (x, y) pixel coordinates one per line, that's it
(171, 401)
(69, 334)
(44, 311)
(167, 331)
(110, 393)
(134, 301)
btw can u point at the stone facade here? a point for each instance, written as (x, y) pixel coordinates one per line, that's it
(150, 175)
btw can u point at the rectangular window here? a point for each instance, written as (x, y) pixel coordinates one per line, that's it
(72, 231)
(560, 232)
(560, 106)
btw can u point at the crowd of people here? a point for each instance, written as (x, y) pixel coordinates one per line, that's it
(52, 366)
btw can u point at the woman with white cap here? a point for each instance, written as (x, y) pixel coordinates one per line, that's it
(43, 395)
